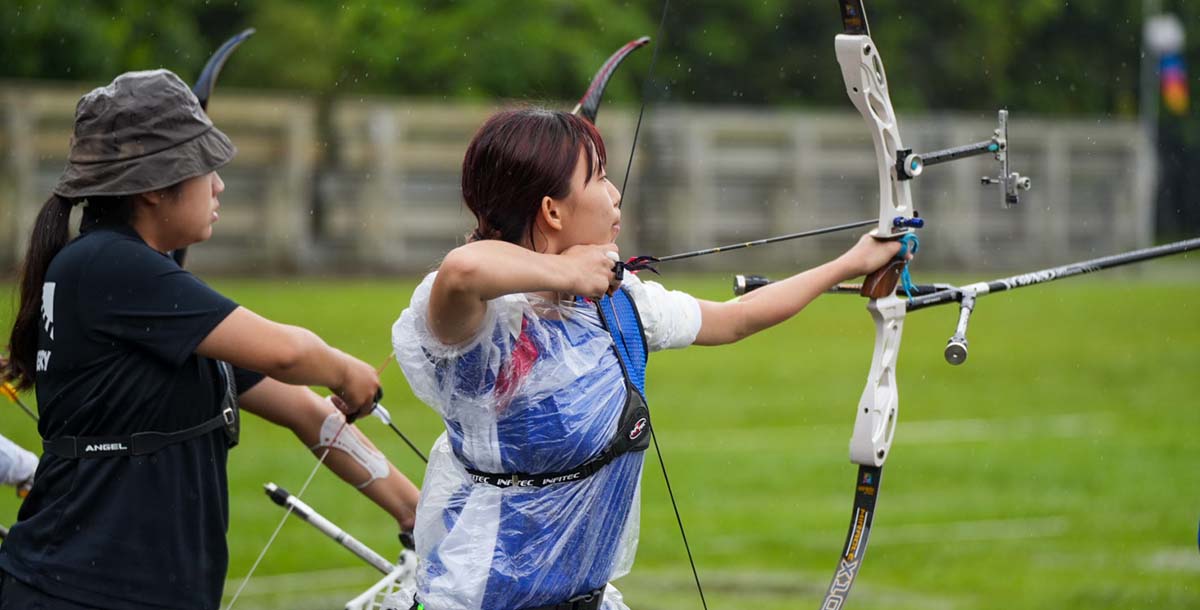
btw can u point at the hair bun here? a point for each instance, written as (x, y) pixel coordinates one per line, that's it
(480, 234)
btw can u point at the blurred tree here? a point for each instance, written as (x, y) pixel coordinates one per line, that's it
(1043, 56)
(1034, 56)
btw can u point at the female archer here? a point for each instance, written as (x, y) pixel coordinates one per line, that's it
(137, 366)
(533, 350)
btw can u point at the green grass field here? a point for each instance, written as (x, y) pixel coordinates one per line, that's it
(1057, 468)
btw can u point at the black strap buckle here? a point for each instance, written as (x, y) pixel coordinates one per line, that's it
(587, 598)
(588, 601)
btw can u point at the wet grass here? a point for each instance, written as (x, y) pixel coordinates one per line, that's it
(1055, 469)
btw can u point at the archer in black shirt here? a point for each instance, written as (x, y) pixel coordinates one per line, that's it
(129, 504)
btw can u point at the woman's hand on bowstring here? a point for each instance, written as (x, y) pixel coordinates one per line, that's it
(592, 271)
(869, 255)
(359, 391)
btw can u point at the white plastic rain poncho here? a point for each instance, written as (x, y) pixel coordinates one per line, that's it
(538, 389)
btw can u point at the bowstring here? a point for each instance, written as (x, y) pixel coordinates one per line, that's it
(646, 86)
(663, 466)
(291, 506)
(286, 514)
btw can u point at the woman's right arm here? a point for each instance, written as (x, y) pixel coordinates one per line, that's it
(292, 355)
(480, 271)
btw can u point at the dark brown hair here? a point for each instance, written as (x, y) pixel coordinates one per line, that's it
(50, 235)
(518, 157)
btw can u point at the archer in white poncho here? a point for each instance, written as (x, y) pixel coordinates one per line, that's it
(538, 389)
(525, 504)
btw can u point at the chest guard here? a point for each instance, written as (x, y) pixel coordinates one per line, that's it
(618, 316)
(145, 443)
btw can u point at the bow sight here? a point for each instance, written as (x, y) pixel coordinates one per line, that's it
(909, 165)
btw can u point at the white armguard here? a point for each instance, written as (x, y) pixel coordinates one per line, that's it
(351, 443)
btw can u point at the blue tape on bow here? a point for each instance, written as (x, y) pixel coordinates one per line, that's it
(908, 244)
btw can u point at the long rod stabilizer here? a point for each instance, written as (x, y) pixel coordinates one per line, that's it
(281, 497)
(931, 295)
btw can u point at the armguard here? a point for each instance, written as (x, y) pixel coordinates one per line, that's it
(351, 444)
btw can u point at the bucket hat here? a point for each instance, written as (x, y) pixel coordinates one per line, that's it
(143, 132)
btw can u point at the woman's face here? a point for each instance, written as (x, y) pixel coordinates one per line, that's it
(194, 208)
(592, 212)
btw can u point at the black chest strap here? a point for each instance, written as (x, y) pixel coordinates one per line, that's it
(633, 434)
(588, 601)
(141, 443)
(145, 443)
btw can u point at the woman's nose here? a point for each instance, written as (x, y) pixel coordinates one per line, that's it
(616, 195)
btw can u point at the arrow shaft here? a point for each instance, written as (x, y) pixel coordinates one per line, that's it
(11, 393)
(769, 240)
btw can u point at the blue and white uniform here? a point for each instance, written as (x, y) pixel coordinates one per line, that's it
(539, 389)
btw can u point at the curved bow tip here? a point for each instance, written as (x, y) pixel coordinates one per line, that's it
(208, 76)
(589, 104)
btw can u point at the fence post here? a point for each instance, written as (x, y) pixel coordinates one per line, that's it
(21, 174)
(381, 242)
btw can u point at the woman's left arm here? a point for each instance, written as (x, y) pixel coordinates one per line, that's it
(735, 320)
(304, 412)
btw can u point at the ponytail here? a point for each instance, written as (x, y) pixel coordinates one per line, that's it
(50, 235)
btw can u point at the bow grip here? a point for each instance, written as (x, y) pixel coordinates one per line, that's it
(378, 397)
(882, 282)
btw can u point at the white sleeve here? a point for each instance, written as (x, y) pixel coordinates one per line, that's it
(671, 318)
(16, 464)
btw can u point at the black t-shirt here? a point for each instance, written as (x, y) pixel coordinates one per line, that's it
(116, 355)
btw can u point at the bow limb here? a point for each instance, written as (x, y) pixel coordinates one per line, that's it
(212, 69)
(589, 104)
(203, 89)
(867, 87)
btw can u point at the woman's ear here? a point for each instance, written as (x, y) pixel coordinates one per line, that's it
(551, 213)
(153, 198)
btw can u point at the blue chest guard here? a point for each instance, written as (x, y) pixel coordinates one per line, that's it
(620, 317)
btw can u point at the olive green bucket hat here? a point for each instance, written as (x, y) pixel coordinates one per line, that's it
(143, 132)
